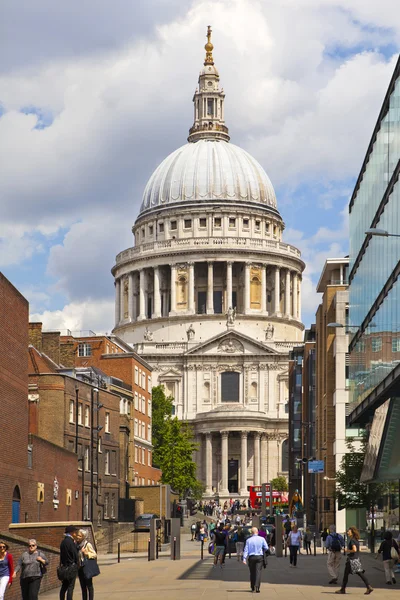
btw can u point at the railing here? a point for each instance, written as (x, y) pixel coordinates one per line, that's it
(218, 242)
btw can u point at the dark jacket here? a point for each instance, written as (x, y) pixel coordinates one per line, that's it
(69, 554)
(386, 547)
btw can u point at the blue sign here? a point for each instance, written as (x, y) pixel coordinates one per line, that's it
(316, 466)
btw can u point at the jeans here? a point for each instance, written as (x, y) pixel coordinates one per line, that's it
(388, 566)
(86, 586)
(67, 587)
(293, 555)
(255, 566)
(347, 572)
(30, 587)
(307, 547)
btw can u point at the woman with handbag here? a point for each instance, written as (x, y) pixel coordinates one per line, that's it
(390, 555)
(32, 564)
(353, 564)
(6, 568)
(87, 564)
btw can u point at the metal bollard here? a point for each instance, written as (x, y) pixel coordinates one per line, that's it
(202, 549)
(174, 548)
(148, 550)
(285, 548)
(119, 550)
(344, 547)
(315, 546)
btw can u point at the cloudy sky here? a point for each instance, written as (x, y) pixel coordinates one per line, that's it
(94, 94)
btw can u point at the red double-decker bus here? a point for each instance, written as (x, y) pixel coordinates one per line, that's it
(279, 499)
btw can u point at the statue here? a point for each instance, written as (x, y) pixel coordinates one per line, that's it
(55, 488)
(231, 314)
(190, 333)
(269, 331)
(148, 335)
(296, 504)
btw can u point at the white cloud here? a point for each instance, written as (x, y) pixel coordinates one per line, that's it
(78, 316)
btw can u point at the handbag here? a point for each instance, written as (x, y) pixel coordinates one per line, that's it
(355, 566)
(393, 553)
(265, 559)
(90, 568)
(67, 572)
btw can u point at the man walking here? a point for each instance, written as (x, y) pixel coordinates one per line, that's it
(334, 545)
(69, 558)
(220, 541)
(253, 555)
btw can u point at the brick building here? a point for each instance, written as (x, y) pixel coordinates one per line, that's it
(129, 376)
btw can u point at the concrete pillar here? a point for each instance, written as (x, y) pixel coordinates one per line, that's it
(173, 290)
(157, 294)
(142, 309)
(256, 458)
(243, 463)
(131, 292)
(210, 289)
(277, 292)
(191, 288)
(263, 289)
(229, 300)
(117, 284)
(287, 294)
(264, 459)
(209, 463)
(224, 462)
(295, 283)
(246, 288)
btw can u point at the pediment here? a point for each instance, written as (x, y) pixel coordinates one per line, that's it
(170, 374)
(231, 343)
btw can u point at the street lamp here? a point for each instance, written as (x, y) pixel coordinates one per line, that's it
(330, 478)
(380, 233)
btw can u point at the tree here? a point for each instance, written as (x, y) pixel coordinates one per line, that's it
(162, 409)
(279, 484)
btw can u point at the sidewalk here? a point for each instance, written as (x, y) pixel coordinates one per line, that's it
(138, 579)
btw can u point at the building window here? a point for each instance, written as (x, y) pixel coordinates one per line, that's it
(187, 223)
(143, 234)
(106, 503)
(80, 414)
(151, 229)
(246, 223)
(210, 106)
(136, 454)
(285, 456)
(217, 222)
(396, 345)
(376, 344)
(172, 225)
(143, 405)
(161, 227)
(267, 228)
(84, 349)
(143, 457)
(107, 462)
(202, 222)
(258, 225)
(144, 381)
(142, 480)
(99, 450)
(149, 458)
(112, 510)
(71, 411)
(230, 386)
(107, 423)
(143, 431)
(80, 457)
(136, 401)
(87, 416)
(149, 383)
(149, 433)
(136, 375)
(232, 222)
(149, 408)
(87, 464)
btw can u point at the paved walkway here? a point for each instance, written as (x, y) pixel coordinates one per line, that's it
(137, 579)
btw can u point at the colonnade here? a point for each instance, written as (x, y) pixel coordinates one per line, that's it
(132, 291)
(260, 467)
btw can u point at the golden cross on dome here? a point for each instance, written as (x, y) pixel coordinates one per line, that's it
(209, 48)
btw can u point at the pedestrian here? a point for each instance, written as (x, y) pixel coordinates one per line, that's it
(193, 531)
(32, 564)
(324, 535)
(397, 570)
(6, 568)
(240, 540)
(69, 559)
(86, 550)
(254, 554)
(220, 545)
(388, 560)
(294, 541)
(353, 564)
(334, 545)
(272, 541)
(307, 540)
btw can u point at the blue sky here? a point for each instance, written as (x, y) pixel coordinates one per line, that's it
(94, 97)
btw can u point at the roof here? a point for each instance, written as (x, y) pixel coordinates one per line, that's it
(39, 363)
(331, 265)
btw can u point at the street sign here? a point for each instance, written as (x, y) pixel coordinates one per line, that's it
(316, 466)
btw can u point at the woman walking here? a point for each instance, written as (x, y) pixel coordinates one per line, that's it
(307, 540)
(6, 568)
(294, 541)
(86, 550)
(240, 540)
(353, 564)
(388, 561)
(32, 564)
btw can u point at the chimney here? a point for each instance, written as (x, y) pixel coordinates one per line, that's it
(35, 335)
(67, 353)
(51, 345)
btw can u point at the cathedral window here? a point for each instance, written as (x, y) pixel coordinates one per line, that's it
(232, 222)
(217, 222)
(151, 229)
(161, 227)
(210, 107)
(230, 386)
(203, 222)
(246, 223)
(258, 225)
(267, 228)
(172, 225)
(188, 223)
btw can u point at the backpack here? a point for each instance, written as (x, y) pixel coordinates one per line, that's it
(336, 546)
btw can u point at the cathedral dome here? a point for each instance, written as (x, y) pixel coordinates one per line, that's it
(207, 170)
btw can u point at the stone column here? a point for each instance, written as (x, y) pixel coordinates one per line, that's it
(117, 284)
(277, 292)
(131, 291)
(264, 458)
(256, 476)
(135, 306)
(173, 290)
(208, 463)
(229, 300)
(295, 282)
(243, 463)
(142, 309)
(246, 288)
(224, 462)
(199, 457)
(263, 289)
(157, 294)
(287, 294)
(191, 288)
(299, 298)
(121, 300)
(210, 289)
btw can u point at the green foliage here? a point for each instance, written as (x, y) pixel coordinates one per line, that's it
(279, 484)
(173, 447)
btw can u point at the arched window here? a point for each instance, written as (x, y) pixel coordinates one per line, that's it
(230, 381)
(16, 502)
(255, 292)
(285, 456)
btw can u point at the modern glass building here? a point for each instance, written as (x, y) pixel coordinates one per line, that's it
(374, 311)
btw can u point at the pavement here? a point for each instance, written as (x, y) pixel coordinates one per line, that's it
(135, 578)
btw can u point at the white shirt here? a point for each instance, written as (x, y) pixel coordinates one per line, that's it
(294, 538)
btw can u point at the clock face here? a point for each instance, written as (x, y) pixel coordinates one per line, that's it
(209, 83)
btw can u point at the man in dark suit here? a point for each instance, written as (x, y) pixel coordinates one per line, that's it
(69, 558)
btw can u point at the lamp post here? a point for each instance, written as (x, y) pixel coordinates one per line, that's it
(380, 233)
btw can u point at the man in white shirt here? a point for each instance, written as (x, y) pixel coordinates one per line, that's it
(253, 555)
